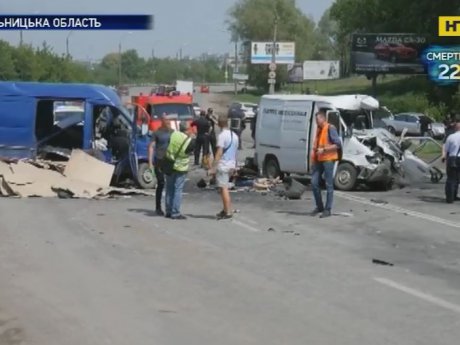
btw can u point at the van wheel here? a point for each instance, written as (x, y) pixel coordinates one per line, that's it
(346, 177)
(272, 168)
(145, 178)
(391, 130)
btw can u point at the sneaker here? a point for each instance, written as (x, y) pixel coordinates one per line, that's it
(168, 215)
(159, 212)
(223, 216)
(325, 214)
(315, 212)
(179, 217)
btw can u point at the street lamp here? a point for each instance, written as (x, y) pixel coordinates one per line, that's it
(119, 56)
(67, 44)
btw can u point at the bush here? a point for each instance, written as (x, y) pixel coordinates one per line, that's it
(411, 102)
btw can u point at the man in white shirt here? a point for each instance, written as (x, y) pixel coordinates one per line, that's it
(225, 165)
(452, 152)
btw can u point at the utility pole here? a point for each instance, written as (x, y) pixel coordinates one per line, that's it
(119, 63)
(180, 54)
(275, 32)
(235, 69)
(20, 38)
(67, 44)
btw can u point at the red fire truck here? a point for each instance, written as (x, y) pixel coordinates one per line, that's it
(163, 100)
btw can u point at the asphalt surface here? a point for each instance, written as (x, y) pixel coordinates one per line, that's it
(110, 272)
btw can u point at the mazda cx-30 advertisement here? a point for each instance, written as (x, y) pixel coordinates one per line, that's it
(388, 53)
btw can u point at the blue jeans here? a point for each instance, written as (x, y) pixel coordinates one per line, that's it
(318, 169)
(174, 187)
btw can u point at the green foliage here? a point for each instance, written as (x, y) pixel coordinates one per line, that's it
(42, 64)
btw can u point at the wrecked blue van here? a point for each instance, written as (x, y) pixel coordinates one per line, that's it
(32, 127)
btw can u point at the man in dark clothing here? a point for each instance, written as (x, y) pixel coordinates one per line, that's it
(157, 150)
(202, 137)
(450, 130)
(237, 124)
(253, 127)
(212, 132)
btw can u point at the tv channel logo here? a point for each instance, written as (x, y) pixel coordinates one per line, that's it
(449, 26)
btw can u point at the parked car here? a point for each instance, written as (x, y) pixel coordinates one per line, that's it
(196, 109)
(247, 108)
(416, 124)
(394, 52)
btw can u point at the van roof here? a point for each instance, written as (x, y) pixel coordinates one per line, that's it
(93, 92)
(346, 102)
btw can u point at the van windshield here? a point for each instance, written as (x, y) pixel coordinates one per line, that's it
(358, 120)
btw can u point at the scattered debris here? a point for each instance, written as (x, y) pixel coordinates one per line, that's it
(81, 177)
(293, 189)
(296, 234)
(381, 262)
(378, 201)
(271, 230)
(288, 231)
(202, 184)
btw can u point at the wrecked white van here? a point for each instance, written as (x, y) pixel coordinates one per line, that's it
(286, 128)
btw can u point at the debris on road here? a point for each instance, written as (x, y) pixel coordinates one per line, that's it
(378, 201)
(81, 177)
(381, 262)
(293, 189)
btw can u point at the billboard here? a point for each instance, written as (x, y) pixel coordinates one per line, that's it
(261, 52)
(295, 73)
(388, 53)
(321, 70)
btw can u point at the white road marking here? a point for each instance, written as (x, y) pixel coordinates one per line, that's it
(416, 293)
(399, 210)
(246, 226)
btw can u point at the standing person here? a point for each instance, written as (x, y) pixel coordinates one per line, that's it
(253, 127)
(325, 153)
(450, 129)
(212, 132)
(202, 137)
(225, 165)
(237, 124)
(179, 148)
(157, 150)
(452, 158)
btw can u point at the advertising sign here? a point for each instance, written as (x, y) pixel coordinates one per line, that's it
(261, 52)
(295, 73)
(321, 70)
(388, 53)
(240, 76)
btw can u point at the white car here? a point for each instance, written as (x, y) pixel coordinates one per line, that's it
(247, 108)
(196, 109)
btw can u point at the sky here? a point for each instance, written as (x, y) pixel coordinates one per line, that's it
(195, 26)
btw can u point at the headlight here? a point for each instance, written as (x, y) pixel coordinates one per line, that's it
(373, 159)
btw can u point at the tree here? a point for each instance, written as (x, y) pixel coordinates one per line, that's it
(253, 20)
(7, 68)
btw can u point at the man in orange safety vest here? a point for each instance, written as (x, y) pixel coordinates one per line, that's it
(326, 151)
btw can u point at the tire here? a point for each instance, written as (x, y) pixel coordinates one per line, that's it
(145, 178)
(346, 177)
(383, 186)
(272, 168)
(392, 130)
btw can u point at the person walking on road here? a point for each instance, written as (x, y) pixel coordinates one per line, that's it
(212, 132)
(178, 151)
(156, 152)
(452, 159)
(326, 148)
(224, 165)
(202, 137)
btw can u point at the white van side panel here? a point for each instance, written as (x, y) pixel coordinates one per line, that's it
(268, 131)
(295, 136)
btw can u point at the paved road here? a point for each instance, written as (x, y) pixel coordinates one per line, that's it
(109, 272)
